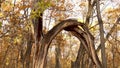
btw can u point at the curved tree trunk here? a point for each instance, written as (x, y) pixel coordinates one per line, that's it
(45, 42)
(85, 37)
(88, 41)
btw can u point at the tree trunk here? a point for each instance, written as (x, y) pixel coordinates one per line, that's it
(85, 37)
(102, 40)
(42, 51)
(38, 35)
(28, 51)
(76, 63)
(57, 65)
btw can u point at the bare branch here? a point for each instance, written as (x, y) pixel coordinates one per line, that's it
(109, 33)
(90, 10)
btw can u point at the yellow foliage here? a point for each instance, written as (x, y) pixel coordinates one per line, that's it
(17, 40)
(83, 4)
(6, 6)
(1, 14)
(7, 63)
(80, 20)
(112, 12)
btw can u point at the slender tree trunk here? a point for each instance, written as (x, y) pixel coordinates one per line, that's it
(28, 51)
(102, 40)
(57, 65)
(109, 33)
(76, 63)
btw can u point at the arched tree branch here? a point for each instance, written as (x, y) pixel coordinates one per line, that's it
(84, 36)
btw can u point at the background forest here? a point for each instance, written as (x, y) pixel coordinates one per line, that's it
(59, 33)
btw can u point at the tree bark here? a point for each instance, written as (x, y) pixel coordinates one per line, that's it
(28, 51)
(76, 63)
(102, 40)
(57, 58)
(45, 42)
(85, 37)
(88, 37)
